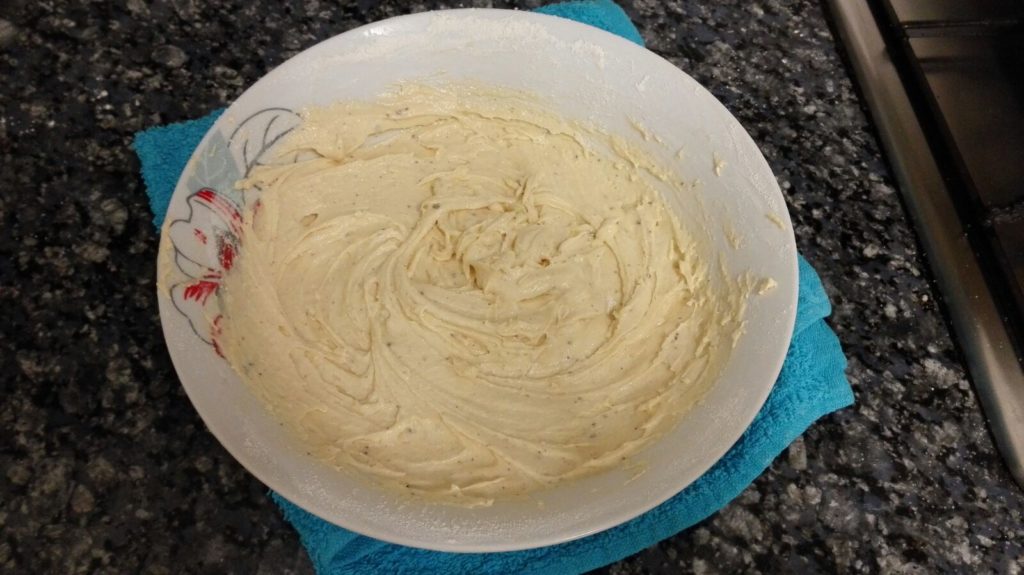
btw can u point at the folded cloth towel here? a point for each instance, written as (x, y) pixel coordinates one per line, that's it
(812, 383)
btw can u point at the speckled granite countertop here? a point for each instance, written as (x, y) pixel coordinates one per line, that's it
(107, 468)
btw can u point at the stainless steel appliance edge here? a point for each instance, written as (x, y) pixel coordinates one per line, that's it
(997, 374)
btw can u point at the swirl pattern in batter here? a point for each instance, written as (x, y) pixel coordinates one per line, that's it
(467, 297)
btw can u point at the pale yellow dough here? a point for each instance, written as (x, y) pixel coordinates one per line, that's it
(467, 297)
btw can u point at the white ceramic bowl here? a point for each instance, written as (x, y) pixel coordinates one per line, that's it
(586, 74)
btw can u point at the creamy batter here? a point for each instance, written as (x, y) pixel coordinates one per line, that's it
(467, 297)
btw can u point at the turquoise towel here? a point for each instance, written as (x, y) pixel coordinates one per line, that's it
(812, 384)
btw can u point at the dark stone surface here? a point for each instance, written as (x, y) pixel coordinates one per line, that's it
(108, 469)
